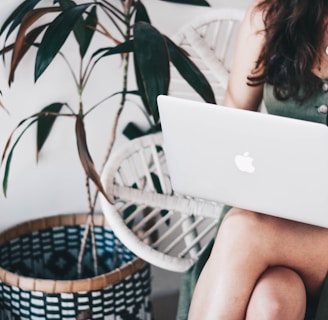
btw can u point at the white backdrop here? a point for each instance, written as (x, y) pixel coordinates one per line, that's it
(56, 184)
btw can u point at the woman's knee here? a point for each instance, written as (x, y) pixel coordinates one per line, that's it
(240, 238)
(251, 230)
(241, 220)
(240, 227)
(279, 294)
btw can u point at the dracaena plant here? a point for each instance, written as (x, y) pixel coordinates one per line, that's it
(42, 28)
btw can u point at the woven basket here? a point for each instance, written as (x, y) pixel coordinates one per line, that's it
(38, 268)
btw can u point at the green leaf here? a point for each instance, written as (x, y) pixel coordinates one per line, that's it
(190, 72)
(22, 42)
(10, 156)
(78, 29)
(83, 30)
(46, 120)
(141, 13)
(132, 131)
(141, 87)
(65, 4)
(152, 59)
(124, 47)
(16, 16)
(89, 29)
(8, 143)
(20, 48)
(2, 105)
(193, 2)
(55, 36)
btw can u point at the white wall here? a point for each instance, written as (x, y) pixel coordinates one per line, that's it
(56, 183)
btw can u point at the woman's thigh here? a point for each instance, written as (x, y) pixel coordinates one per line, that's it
(247, 245)
(304, 248)
(298, 246)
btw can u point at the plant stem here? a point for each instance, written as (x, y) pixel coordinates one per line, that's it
(70, 68)
(126, 59)
(108, 9)
(89, 227)
(83, 80)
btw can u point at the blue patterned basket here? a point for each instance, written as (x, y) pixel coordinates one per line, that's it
(38, 273)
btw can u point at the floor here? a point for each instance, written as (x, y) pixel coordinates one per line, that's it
(165, 306)
(165, 293)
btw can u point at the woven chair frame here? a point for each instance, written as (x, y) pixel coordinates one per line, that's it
(164, 228)
(209, 40)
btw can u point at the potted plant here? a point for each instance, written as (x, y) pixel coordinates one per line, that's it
(44, 29)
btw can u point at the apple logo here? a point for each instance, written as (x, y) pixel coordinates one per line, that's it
(244, 162)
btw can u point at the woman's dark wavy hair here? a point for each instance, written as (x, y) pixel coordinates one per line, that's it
(294, 31)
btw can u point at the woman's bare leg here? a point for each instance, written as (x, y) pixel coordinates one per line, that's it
(278, 294)
(246, 246)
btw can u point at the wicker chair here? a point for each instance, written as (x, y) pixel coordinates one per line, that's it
(209, 40)
(166, 229)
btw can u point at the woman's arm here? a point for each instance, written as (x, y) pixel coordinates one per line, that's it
(248, 48)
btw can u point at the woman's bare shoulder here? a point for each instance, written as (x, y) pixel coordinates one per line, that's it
(248, 48)
(254, 17)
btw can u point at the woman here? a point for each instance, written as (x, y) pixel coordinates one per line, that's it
(263, 267)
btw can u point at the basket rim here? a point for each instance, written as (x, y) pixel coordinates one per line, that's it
(63, 286)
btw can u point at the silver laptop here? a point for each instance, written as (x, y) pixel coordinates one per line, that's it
(256, 161)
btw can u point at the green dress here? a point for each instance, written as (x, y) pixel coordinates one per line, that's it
(316, 110)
